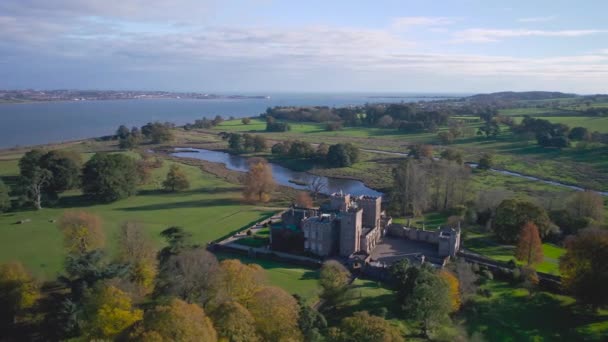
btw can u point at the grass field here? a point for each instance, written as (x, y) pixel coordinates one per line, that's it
(599, 124)
(483, 244)
(210, 209)
(511, 315)
(293, 279)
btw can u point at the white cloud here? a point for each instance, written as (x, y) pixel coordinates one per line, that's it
(409, 22)
(536, 19)
(483, 35)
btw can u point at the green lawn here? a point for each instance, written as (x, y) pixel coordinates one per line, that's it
(511, 315)
(293, 279)
(484, 244)
(210, 209)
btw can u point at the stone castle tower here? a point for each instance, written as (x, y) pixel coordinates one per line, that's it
(351, 223)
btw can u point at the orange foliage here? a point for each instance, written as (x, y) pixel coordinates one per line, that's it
(529, 248)
(82, 231)
(454, 287)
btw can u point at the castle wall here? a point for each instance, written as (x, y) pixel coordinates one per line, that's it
(319, 235)
(371, 210)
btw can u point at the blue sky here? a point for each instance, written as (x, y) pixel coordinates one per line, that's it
(314, 46)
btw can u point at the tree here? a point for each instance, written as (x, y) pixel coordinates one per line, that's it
(529, 248)
(122, 132)
(385, 121)
(176, 179)
(136, 248)
(177, 240)
(18, 293)
(310, 321)
(109, 311)
(316, 185)
(467, 279)
(235, 142)
(33, 177)
(157, 132)
(259, 143)
(452, 154)
(110, 177)
(82, 232)
(239, 282)
(446, 138)
(404, 278)
(430, 300)
(5, 198)
(583, 267)
(579, 133)
(246, 121)
(588, 204)
(486, 162)
(176, 321)
(334, 279)
(420, 151)
(192, 275)
(362, 327)
(322, 150)
(259, 182)
(512, 214)
(234, 323)
(342, 155)
(65, 169)
(276, 314)
(454, 288)
(303, 200)
(410, 188)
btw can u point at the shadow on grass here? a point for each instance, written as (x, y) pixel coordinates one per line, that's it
(210, 190)
(214, 202)
(509, 317)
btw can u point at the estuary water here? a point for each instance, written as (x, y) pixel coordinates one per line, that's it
(282, 175)
(26, 124)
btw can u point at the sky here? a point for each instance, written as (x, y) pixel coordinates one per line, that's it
(260, 46)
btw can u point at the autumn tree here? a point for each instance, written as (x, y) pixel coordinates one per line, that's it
(529, 247)
(18, 293)
(334, 279)
(258, 181)
(5, 198)
(454, 288)
(82, 231)
(176, 179)
(467, 279)
(587, 204)
(420, 151)
(234, 323)
(303, 199)
(363, 327)
(276, 314)
(512, 214)
(239, 282)
(136, 248)
(175, 321)
(191, 275)
(108, 311)
(583, 267)
(246, 121)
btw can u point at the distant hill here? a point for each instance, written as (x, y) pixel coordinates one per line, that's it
(520, 96)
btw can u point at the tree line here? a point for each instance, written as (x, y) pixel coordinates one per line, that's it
(105, 177)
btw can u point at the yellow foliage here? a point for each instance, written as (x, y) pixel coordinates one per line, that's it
(259, 182)
(178, 321)
(239, 281)
(454, 286)
(82, 231)
(19, 286)
(276, 315)
(110, 312)
(143, 273)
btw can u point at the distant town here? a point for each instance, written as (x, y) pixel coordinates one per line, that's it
(30, 95)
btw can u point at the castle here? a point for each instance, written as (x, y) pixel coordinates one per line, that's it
(350, 225)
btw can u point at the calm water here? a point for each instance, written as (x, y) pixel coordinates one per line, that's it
(40, 123)
(281, 175)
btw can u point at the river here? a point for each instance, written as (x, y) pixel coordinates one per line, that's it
(282, 175)
(36, 123)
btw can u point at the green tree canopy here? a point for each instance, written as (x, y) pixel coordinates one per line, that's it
(5, 198)
(110, 177)
(512, 214)
(176, 179)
